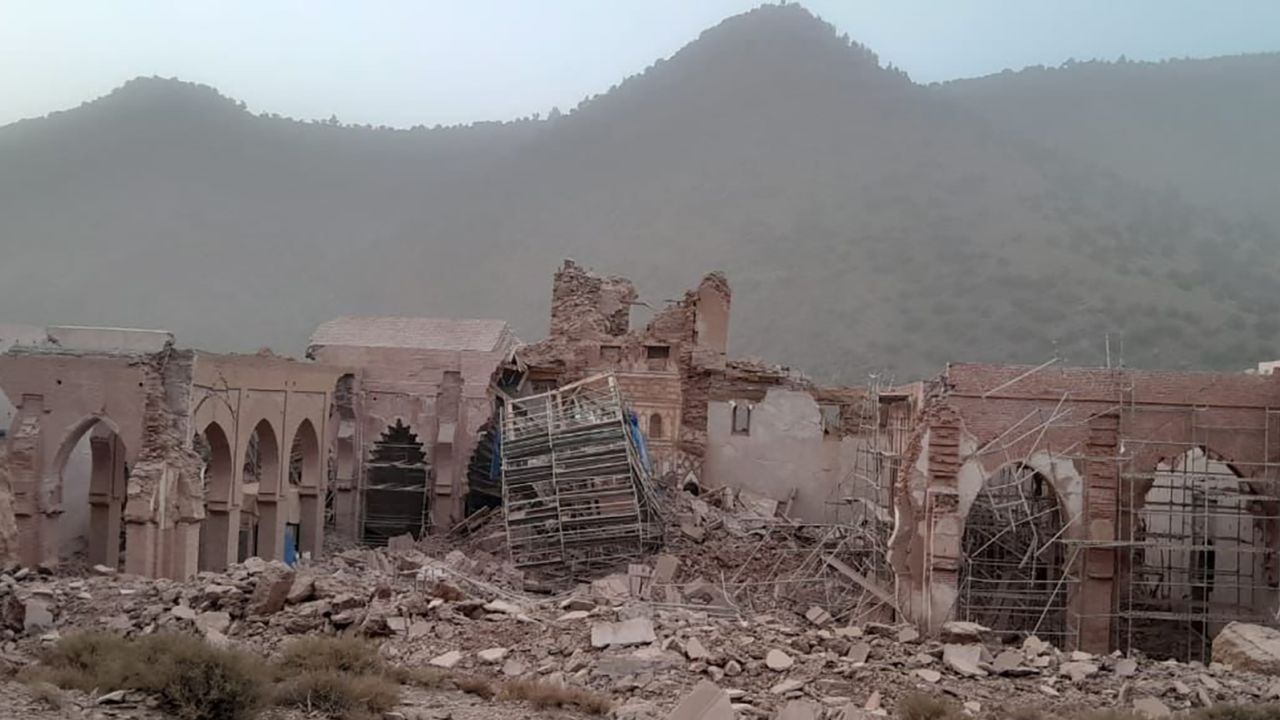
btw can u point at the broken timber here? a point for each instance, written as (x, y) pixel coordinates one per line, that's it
(577, 493)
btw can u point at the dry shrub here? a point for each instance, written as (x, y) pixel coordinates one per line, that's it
(190, 679)
(47, 694)
(338, 695)
(195, 681)
(919, 706)
(548, 695)
(1236, 712)
(339, 654)
(475, 685)
(424, 677)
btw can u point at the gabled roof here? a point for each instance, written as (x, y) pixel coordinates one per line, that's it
(413, 332)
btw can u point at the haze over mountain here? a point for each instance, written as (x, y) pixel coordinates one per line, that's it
(866, 222)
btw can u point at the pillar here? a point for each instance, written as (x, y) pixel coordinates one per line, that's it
(943, 521)
(311, 530)
(270, 529)
(181, 550)
(219, 538)
(1089, 612)
(140, 544)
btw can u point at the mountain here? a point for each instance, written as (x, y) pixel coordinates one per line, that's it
(1203, 128)
(867, 223)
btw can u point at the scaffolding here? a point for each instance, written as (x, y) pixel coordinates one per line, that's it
(1013, 577)
(1017, 568)
(577, 495)
(1197, 540)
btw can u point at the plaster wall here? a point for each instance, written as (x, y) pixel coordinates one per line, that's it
(785, 450)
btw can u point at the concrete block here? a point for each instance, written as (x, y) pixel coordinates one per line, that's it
(636, 631)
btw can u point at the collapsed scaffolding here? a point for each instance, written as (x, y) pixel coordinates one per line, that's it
(577, 494)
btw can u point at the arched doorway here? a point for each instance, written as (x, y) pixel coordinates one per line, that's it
(1011, 569)
(1200, 558)
(91, 478)
(395, 489)
(302, 495)
(261, 532)
(216, 536)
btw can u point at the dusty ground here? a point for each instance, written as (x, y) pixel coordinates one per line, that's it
(430, 606)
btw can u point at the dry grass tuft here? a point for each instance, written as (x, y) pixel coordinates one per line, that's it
(190, 679)
(543, 695)
(919, 706)
(350, 655)
(47, 694)
(424, 677)
(475, 685)
(337, 695)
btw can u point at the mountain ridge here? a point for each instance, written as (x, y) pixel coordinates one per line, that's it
(866, 222)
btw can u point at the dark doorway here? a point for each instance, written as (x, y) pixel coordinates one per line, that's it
(395, 495)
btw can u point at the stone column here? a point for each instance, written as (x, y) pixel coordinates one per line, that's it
(270, 529)
(1090, 610)
(220, 538)
(942, 513)
(311, 530)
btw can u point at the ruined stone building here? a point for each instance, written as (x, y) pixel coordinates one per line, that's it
(710, 421)
(188, 451)
(410, 419)
(1100, 508)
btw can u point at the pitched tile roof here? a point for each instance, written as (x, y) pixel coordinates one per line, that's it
(413, 332)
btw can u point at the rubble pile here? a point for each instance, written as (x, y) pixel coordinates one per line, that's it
(467, 614)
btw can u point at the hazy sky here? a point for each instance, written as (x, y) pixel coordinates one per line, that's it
(434, 61)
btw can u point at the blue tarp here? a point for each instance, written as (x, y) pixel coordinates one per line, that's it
(637, 439)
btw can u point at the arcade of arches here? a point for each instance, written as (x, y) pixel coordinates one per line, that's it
(156, 461)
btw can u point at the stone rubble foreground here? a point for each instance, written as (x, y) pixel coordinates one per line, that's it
(466, 614)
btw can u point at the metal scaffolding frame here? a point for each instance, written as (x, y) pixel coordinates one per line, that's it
(1197, 542)
(577, 495)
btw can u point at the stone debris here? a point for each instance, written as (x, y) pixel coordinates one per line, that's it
(778, 660)
(470, 613)
(1248, 647)
(705, 702)
(1078, 670)
(818, 616)
(964, 659)
(800, 710)
(636, 631)
(1150, 707)
(448, 660)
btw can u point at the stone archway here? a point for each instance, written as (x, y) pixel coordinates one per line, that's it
(261, 487)
(304, 494)
(89, 489)
(1012, 556)
(1199, 556)
(217, 532)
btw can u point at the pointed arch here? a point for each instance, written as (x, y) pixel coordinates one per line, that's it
(1012, 556)
(93, 503)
